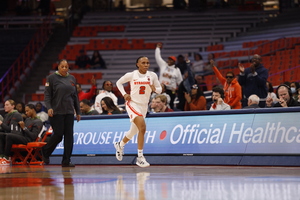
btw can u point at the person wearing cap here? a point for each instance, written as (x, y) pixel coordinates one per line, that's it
(169, 74)
(232, 88)
(195, 99)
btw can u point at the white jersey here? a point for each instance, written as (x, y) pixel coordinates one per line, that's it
(100, 96)
(168, 75)
(140, 89)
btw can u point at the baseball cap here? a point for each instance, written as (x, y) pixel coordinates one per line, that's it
(173, 58)
(195, 86)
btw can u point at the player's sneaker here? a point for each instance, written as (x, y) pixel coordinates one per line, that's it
(142, 162)
(119, 151)
(4, 162)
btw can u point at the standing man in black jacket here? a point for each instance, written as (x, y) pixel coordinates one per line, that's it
(253, 80)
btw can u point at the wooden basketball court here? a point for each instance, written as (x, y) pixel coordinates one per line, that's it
(127, 182)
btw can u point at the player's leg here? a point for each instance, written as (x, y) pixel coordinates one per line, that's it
(119, 146)
(141, 125)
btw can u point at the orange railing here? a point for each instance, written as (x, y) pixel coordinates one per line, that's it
(12, 77)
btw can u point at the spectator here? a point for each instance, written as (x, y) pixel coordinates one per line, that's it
(153, 106)
(181, 64)
(253, 101)
(163, 92)
(185, 86)
(298, 91)
(86, 108)
(169, 74)
(200, 82)
(41, 112)
(26, 132)
(195, 100)
(253, 80)
(11, 118)
(231, 87)
(207, 67)
(20, 107)
(271, 92)
(161, 103)
(294, 87)
(218, 99)
(198, 64)
(109, 107)
(97, 62)
(82, 61)
(105, 92)
(284, 94)
(87, 95)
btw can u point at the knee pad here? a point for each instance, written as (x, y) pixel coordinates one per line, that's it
(132, 131)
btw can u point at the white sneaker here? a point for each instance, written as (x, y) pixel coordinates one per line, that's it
(142, 162)
(4, 162)
(119, 151)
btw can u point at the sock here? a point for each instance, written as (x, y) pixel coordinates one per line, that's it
(122, 144)
(140, 152)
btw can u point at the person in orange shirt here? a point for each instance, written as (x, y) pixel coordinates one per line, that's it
(231, 86)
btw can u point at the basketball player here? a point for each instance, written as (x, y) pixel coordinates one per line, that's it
(142, 84)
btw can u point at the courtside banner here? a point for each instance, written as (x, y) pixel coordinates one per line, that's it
(208, 132)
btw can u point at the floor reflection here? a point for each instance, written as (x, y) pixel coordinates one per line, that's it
(154, 183)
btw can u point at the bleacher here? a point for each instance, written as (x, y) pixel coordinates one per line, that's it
(121, 38)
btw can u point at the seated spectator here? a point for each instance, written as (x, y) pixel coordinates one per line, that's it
(87, 95)
(109, 107)
(231, 86)
(198, 64)
(97, 62)
(41, 112)
(161, 103)
(253, 102)
(218, 99)
(20, 107)
(284, 94)
(86, 108)
(200, 82)
(163, 91)
(294, 87)
(105, 92)
(21, 134)
(152, 106)
(11, 118)
(195, 99)
(271, 92)
(82, 61)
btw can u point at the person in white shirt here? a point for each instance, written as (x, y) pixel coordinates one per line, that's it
(169, 74)
(218, 100)
(106, 92)
(41, 112)
(142, 84)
